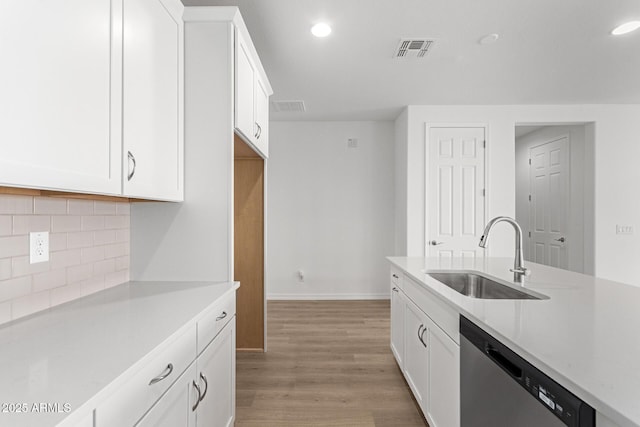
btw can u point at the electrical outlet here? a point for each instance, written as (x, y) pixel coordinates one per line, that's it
(39, 247)
(352, 143)
(624, 229)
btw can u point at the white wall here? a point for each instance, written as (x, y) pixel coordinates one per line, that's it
(616, 130)
(401, 128)
(330, 209)
(578, 171)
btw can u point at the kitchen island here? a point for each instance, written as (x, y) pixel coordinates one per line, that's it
(81, 360)
(584, 335)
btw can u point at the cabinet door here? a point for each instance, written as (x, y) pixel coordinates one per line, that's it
(397, 324)
(152, 100)
(416, 358)
(60, 103)
(444, 379)
(174, 408)
(244, 90)
(262, 117)
(217, 376)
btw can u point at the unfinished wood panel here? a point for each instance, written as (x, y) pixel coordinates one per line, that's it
(249, 252)
(329, 364)
(241, 150)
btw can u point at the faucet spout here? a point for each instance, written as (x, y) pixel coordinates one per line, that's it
(518, 263)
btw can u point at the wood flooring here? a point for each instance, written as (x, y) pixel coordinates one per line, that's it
(328, 364)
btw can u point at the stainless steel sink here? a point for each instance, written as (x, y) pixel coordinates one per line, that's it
(477, 286)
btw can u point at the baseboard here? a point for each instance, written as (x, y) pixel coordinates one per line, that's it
(311, 297)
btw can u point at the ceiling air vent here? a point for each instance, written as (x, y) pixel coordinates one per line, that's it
(288, 106)
(413, 48)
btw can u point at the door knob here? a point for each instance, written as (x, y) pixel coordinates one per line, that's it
(434, 243)
(561, 240)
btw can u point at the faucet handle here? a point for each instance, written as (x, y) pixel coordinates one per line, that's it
(521, 270)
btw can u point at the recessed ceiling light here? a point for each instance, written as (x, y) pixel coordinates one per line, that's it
(489, 39)
(321, 30)
(625, 28)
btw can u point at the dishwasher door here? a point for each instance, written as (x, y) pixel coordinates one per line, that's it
(499, 388)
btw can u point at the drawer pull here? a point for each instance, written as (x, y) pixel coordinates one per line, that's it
(222, 316)
(395, 276)
(163, 375)
(206, 386)
(421, 333)
(197, 387)
(395, 289)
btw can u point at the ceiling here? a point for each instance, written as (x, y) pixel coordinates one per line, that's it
(549, 52)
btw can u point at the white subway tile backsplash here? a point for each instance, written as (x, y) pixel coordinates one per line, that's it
(65, 258)
(80, 207)
(104, 208)
(61, 224)
(25, 224)
(5, 268)
(50, 279)
(123, 208)
(80, 239)
(14, 246)
(20, 266)
(92, 285)
(79, 273)
(104, 267)
(30, 304)
(92, 254)
(15, 288)
(65, 294)
(116, 222)
(104, 237)
(89, 251)
(57, 241)
(16, 205)
(95, 222)
(6, 226)
(49, 206)
(5, 312)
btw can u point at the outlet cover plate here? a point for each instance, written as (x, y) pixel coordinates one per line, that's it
(39, 247)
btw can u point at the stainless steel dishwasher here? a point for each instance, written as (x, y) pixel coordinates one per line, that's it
(499, 388)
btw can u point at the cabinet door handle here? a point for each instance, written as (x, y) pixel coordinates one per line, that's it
(259, 131)
(255, 134)
(131, 170)
(395, 276)
(422, 337)
(206, 386)
(394, 289)
(197, 387)
(222, 316)
(420, 333)
(167, 371)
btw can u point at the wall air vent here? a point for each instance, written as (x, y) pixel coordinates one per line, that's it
(288, 106)
(413, 48)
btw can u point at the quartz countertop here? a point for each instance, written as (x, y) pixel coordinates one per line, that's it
(68, 354)
(586, 336)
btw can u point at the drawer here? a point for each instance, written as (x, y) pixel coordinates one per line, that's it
(442, 314)
(145, 383)
(396, 277)
(215, 319)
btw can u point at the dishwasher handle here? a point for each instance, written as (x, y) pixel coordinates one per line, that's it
(511, 368)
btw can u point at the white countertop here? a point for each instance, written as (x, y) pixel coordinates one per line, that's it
(70, 353)
(586, 336)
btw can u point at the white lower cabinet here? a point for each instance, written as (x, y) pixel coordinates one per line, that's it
(429, 359)
(397, 324)
(416, 356)
(175, 407)
(216, 375)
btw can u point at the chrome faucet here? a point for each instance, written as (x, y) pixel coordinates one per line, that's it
(518, 269)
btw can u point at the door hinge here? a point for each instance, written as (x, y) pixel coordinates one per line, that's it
(529, 161)
(484, 192)
(484, 144)
(529, 197)
(529, 234)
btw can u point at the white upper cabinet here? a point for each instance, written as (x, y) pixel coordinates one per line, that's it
(60, 102)
(152, 101)
(252, 91)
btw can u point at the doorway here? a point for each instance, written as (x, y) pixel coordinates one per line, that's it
(455, 191)
(555, 194)
(249, 244)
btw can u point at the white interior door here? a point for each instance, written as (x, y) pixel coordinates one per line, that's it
(549, 186)
(455, 191)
